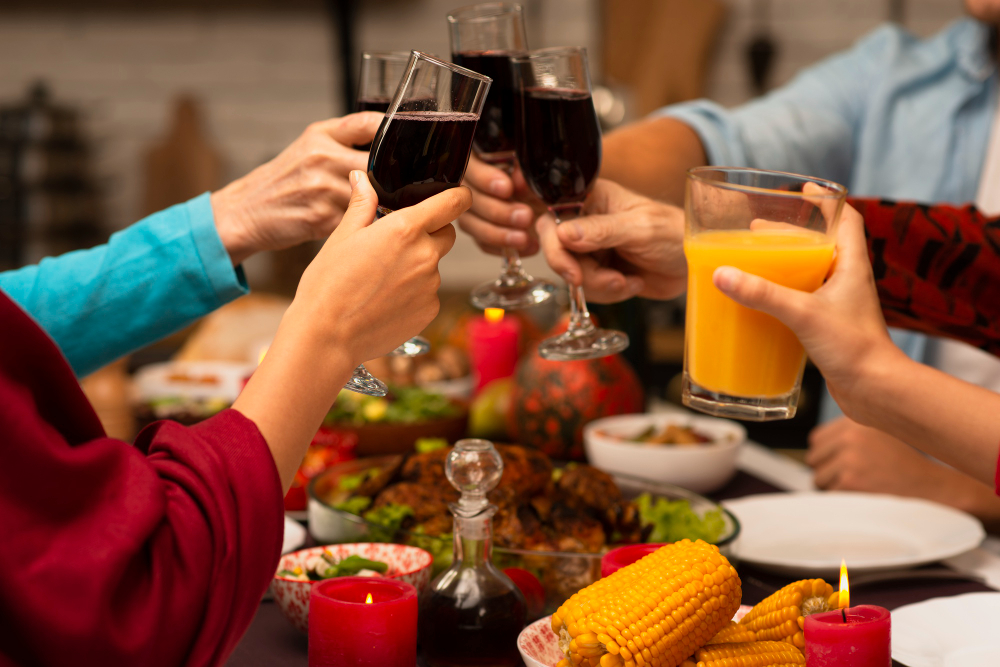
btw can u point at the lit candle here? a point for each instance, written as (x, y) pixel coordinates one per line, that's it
(363, 622)
(493, 346)
(849, 637)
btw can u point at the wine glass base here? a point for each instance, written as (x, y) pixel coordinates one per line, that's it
(512, 294)
(414, 347)
(363, 382)
(590, 344)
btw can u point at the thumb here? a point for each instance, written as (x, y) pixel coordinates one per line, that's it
(591, 233)
(361, 209)
(783, 303)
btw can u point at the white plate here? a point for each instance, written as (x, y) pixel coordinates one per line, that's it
(808, 533)
(295, 536)
(947, 632)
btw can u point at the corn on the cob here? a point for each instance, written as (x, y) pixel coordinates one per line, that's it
(732, 634)
(780, 617)
(656, 612)
(750, 654)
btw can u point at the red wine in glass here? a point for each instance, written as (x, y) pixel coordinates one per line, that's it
(495, 134)
(429, 153)
(559, 144)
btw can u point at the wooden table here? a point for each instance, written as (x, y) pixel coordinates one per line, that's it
(271, 640)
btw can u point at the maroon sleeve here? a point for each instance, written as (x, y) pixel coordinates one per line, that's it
(937, 268)
(150, 555)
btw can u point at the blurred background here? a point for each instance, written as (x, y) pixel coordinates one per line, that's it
(112, 109)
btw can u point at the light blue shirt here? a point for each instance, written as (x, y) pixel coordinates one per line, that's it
(148, 281)
(894, 117)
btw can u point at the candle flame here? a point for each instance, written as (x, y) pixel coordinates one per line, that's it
(368, 600)
(845, 591)
(494, 315)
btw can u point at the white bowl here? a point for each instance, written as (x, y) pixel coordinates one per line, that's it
(699, 468)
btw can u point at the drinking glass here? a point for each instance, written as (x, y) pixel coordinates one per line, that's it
(484, 38)
(421, 149)
(380, 75)
(740, 362)
(559, 151)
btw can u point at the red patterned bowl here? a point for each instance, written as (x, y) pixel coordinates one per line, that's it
(406, 563)
(539, 646)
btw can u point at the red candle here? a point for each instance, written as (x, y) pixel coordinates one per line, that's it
(493, 346)
(858, 637)
(362, 622)
(849, 637)
(618, 558)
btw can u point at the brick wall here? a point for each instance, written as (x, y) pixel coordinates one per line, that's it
(265, 76)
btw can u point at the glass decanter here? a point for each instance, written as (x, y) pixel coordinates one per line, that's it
(472, 613)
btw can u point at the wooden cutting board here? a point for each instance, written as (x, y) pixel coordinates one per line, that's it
(184, 163)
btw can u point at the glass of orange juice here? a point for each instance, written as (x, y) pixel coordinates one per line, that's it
(739, 362)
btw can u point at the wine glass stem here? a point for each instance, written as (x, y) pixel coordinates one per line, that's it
(511, 262)
(579, 315)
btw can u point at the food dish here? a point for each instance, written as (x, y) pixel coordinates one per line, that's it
(187, 391)
(946, 632)
(539, 646)
(809, 533)
(405, 563)
(701, 468)
(563, 564)
(391, 425)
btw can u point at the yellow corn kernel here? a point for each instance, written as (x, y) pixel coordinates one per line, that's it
(779, 616)
(654, 613)
(733, 633)
(750, 654)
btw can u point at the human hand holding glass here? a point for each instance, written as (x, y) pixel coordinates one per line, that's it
(420, 150)
(559, 152)
(484, 38)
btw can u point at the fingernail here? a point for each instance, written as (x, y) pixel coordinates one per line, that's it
(725, 278)
(354, 176)
(521, 217)
(573, 231)
(515, 238)
(497, 187)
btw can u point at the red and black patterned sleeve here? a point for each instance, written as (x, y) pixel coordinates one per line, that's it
(937, 268)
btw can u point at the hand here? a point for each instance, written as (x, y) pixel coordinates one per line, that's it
(298, 196)
(373, 286)
(847, 456)
(645, 236)
(840, 324)
(503, 209)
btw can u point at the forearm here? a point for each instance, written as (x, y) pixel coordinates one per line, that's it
(952, 420)
(146, 282)
(292, 390)
(953, 488)
(652, 157)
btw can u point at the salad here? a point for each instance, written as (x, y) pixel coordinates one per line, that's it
(325, 567)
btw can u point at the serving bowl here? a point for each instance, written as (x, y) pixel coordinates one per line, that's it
(561, 573)
(701, 468)
(406, 563)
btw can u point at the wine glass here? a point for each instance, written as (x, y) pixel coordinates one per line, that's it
(484, 38)
(380, 75)
(559, 151)
(421, 149)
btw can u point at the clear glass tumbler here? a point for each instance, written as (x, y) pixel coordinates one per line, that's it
(739, 362)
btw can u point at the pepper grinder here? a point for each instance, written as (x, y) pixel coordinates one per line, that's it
(472, 613)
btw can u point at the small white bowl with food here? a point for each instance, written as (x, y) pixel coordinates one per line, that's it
(697, 453)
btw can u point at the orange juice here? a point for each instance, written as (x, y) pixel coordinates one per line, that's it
(734, 350)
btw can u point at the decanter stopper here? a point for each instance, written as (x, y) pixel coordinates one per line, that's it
(474, 467)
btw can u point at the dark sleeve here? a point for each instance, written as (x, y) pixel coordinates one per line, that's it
(937, 268)
(150, 555)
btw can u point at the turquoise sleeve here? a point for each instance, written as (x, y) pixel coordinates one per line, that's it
(148, 281)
